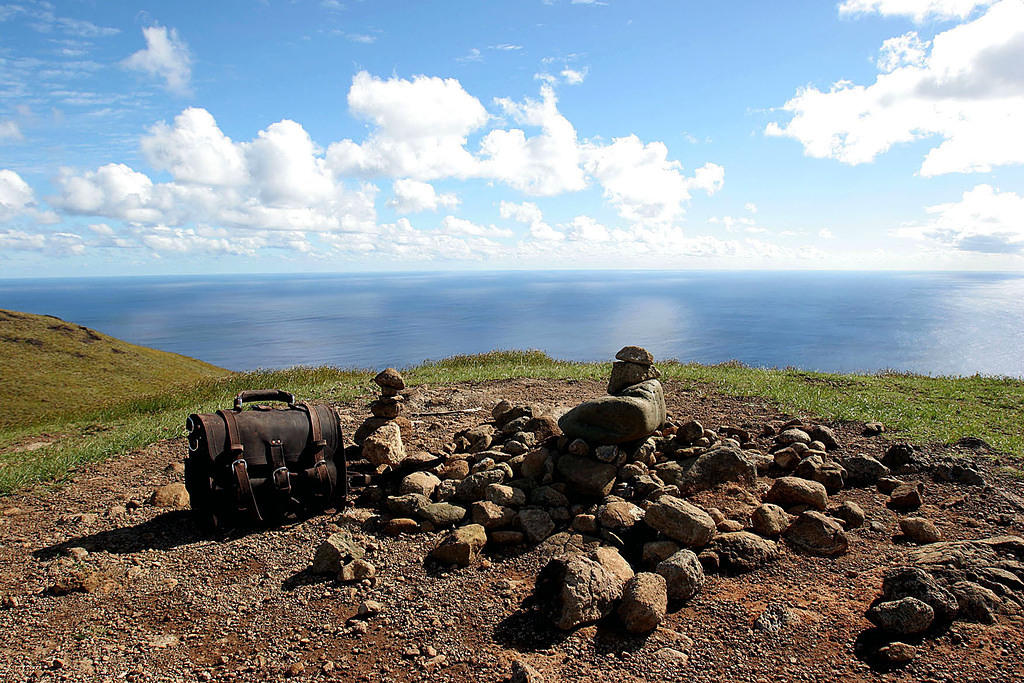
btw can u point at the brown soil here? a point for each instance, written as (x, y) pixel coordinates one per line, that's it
(167, 604)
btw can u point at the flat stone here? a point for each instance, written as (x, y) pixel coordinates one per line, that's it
(626, 374)
(815, 533)
(634, 414)
(680, 521)
(635, 354)
(790, 491)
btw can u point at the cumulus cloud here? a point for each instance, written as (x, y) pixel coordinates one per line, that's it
(967, 94)
(918, 10)
(530, 214)
(984, 220)
(452, 225)
(166, 56)
(413, 196)
(574, 76)
(16, 197)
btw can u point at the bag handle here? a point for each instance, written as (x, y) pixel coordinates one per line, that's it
(252, 395)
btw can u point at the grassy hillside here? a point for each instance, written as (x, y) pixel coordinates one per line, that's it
(921, 409)
(52, 368)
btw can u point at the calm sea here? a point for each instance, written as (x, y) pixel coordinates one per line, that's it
(933, 323)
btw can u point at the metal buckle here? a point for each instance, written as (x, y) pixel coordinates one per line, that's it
(240, 460)
(287, 477)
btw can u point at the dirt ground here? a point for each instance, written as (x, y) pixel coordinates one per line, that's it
(170, 605)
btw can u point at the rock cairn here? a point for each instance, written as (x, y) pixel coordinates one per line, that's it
(381, 435)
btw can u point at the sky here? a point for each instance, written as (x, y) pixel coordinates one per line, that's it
(378, 135)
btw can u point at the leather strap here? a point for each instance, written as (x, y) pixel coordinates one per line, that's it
(279, 474)
(247, 499)
(319, 444)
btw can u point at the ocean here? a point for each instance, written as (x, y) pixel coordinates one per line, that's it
(931, 323)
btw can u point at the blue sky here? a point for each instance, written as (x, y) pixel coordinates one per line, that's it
(302, 136)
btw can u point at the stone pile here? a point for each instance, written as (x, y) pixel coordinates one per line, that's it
(604, 488)
(381, 435)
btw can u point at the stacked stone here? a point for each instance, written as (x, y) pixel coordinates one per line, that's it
(633, 365)
(381, 435)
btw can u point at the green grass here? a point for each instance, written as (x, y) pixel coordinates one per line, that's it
(913, 407)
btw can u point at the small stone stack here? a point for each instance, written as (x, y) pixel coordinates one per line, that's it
(380, 435)
(633, 365)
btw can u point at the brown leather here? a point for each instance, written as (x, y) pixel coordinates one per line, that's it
(246, 497)
(318, 443)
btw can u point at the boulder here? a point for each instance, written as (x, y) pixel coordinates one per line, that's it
(384, 446)
(690, 431)
(389, 378)
(863, 470)
(683, 574)
(612, 561)
(334, 553)
(680, 521)
(408, 504)
(626, 374)
(455, 469)
(442, 514)
(536, 524)
(914, 582)
(505, 495)
(172, 495)
(619, 515)
(742, 551)
(791, 436)
(906, 616)
(907, 496)
(644, 602)
(899, 455)
(472, 487)
(357, 570)
(815, 533)
(461, 546)
(718, 466)
(829, 474)
(635, 354)
(576, 589)
(587, 476)
(849, 513)
(920, 530)
(769, 520)
(423, 483)
(790, 491)
(825, 435)
(634, 414)
(491, 516)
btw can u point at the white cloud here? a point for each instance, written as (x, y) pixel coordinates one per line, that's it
(826, 234)
(508, 47)
(751, 207)
(16, 197)
(364, 38)
(968, 92)
(643, 184)
(166, 56)
(919, 10)
(905, 50)
(9, 130)
(420, 128)
(586, 229)
(413, 196)
(574, 76)
(195, 150)
(472, 56)
(452, 225)
(546, 164)
(984, 220)
(530, 214)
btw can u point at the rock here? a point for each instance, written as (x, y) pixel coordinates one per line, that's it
(455, 469)
(825, 435)
(576, 589)
(522, 672)
(536, 463)
(789, 491)
(896, 654)
(357, 570)
(472, 487)
(769, 520)
(585, 524)
(619, 515)
(906, 496)
(873, 428)
(500, 408)
(626, 374)
(388, 407)
(389, 378)
(831, 475)
(612, 561)
(849, 513)
(499, 494)
(586, 476)
(887, 485)
(975, 602)
(479, 438)
(543, 427)
(442, 514)
(407, 505)
(536, 524)
(635, 354)
(786, 458)
(423, 483)
(644, 602)
(507, 537)
(683, 574)
(654, 552)
(491, 516)
(775, 617)
(384, 446)
(579, 447)
(690, 431)
(461, 546)
(729, 526)
(906, 616)
(548, 497)
(612, 454)
(680, 521)
(791, 436)
(863, 470)
(898, 455)
(338, 550)
(634, 414)
(815, 533)
(368, 609)
(742, 551)
(920, 530)
(401, 525)
(170, 496)
(718, 466)
(913, 582)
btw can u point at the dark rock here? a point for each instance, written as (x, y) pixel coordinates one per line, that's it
(390, 378)
(906, 616)
(793, 435)
(690, 431)
(635, 354)
(718, 466)
(887, 485)
(644, 602)
(634, 414)
(906, 496)
(873, 428)
(472, 487)
(742, 551)
(825, 435)
(815, 533)
(683, 573)
(789, 491)
(913, 582)
(586, 476)
(626, 374)
(442, 514)
(863, 470)
(849, 513)
(899, 455)
(536, 524)
(577, 589)
(522, 672)
(680, 521)
(334, 553)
